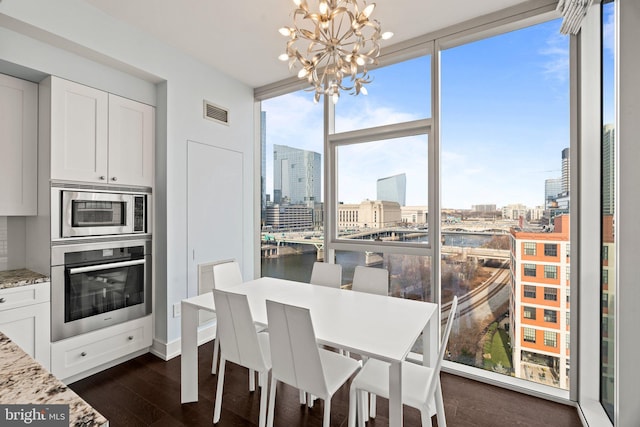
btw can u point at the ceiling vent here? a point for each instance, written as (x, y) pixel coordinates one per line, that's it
(215, 113)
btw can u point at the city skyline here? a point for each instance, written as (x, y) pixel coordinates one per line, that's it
(504, 121)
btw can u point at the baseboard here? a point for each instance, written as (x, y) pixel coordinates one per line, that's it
(167, 351)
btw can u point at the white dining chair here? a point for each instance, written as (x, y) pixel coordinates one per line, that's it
(371, 280)
(241, 344)
(206, 283)
(420, 384)
(326, 274)
(298, 361)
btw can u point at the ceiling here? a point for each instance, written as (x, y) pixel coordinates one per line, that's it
(241, 38)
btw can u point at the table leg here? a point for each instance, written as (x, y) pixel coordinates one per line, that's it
(395, 395)
(430, 341)
(189, 354)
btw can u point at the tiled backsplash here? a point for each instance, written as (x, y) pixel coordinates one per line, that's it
(12, 242)
(4, 243)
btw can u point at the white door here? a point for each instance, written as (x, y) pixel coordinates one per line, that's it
(215, 210)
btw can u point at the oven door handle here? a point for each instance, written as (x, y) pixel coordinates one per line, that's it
(106, 266)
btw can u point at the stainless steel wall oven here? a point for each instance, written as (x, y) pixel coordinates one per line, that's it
(98, 284)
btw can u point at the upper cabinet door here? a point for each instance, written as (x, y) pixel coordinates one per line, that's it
(78, 132)
(18, 146)
(131, 142)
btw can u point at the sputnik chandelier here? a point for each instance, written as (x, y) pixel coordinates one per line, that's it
(336, 42)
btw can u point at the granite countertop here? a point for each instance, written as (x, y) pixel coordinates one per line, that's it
(25, 381)
(20, 277)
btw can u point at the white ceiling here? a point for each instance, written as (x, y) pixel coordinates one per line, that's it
(241, 38)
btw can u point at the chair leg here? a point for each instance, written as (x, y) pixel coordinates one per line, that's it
(216, 350)
(272, 401)
(263, 380)
(442, 421)
(303, 397)
(252, 380)
(372, 405)
(360, 403)
(310, 400)
(218, 404)
(326, 420)
(426, 419)
(353, 403)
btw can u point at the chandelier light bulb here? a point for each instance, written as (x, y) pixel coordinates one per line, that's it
(334, 45)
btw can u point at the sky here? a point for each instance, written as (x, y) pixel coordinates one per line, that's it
(504, 122)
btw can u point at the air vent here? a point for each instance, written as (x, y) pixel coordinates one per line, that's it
(215, 113)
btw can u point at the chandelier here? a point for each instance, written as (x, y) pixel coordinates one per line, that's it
(337, 42)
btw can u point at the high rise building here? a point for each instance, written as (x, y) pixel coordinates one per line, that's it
(263, 164)
(566, 170)
(296, 176)
(393, 189)
(552, 188)
(608, 169)
(539, 305)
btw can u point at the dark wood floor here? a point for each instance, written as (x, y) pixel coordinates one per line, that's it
(146, 392)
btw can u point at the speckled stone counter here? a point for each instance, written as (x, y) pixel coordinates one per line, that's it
(25, 381)
(21, 277)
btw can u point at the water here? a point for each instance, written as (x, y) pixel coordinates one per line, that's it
(298, 267)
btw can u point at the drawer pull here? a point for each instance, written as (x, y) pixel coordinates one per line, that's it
(130, 337)
(2, 300)
(83, 354)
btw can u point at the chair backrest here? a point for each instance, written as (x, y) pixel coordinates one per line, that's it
(237, 333)
(443, 347)
(371, 280)
(206, 284)
(205, 275)
(294, 350)
(226, 274)
(326, 274)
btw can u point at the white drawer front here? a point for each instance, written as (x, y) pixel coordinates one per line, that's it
(23, 295)
(75, 355)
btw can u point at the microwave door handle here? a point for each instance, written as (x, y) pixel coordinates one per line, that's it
(105, 266)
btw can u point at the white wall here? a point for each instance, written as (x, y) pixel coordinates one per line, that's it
(71, 39)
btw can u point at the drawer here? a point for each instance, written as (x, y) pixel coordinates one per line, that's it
(78, 354)
(24, 295)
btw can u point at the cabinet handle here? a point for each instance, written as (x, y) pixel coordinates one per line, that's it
(83, 354)
(2, 300)
(130, 337)
(114, 178)
(102, 178)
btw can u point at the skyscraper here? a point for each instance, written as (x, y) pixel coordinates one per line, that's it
(296, 175)
(552, 188)
(566, 171)
(608, 169)
(393, 189)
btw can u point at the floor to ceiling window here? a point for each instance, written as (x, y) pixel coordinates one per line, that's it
(608, 174)
(453, 174)
(291, 222)
(505, 172)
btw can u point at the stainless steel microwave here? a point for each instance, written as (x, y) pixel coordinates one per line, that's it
(84, 213)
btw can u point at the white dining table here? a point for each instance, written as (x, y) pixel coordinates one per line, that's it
(381, 327)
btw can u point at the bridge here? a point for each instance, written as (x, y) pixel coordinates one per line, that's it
(273, 243)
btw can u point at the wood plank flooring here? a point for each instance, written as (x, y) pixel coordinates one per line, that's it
(145, 391)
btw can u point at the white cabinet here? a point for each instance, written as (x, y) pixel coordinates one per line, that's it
(97, 137)
(18, 145)
(24, 317)
(86, 353)
(131, 141)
